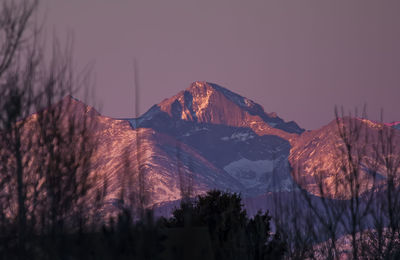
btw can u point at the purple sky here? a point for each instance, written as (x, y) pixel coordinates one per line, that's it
(298, 58)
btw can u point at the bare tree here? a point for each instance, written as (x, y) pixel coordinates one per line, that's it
(383, 240)
(359, 203)
(134, 192)
(65, 144)
(15, 30)
(46, 145)
(16, 103)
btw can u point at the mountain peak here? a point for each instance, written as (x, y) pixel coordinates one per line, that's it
(205, 102)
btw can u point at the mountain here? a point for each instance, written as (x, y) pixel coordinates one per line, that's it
(231, 132)
(209, 150)
(209, 103)
(207, 137)
(247, 150)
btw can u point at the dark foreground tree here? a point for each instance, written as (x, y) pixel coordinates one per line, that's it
(232, 234)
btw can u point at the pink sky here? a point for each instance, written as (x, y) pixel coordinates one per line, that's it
(298, 58)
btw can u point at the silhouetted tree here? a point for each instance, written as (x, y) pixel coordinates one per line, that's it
(383, 240)
(15, 104)
(233, 235)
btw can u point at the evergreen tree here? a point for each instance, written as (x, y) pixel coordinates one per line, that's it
(232, 233)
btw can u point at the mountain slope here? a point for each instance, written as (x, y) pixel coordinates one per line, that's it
(118, 153)
(320, 156)
(121, 152)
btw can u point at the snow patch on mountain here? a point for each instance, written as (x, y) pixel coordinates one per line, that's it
(195, 130)
(238, 137)
(250, 173)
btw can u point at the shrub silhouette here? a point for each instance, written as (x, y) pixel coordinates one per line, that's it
(232, 234)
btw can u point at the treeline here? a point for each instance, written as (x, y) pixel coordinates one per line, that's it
(213, 226)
